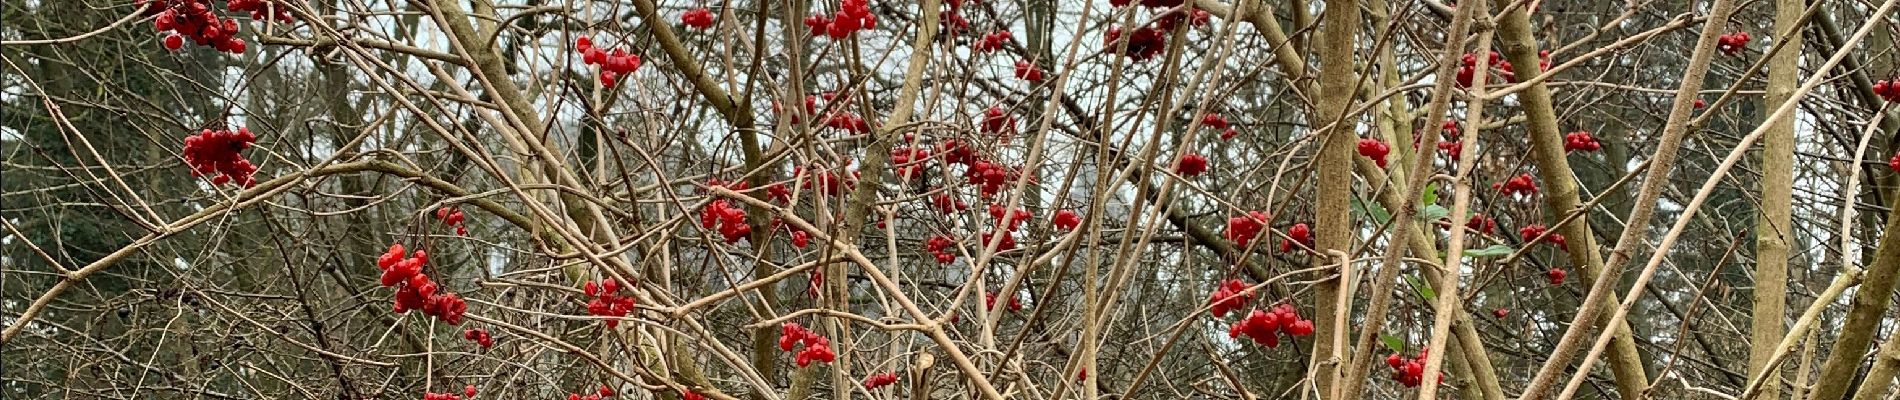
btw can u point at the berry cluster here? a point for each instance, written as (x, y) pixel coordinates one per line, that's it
(1066, 220)
(853, 15)
(939, 247)
(452, 217)
(1482, 223)
(1556, 276)
(1522, 183)
(607, 301)
(613, 64)
(1732, 43)
(417, 291)
(989, 177)
(1532, 231)
(848, 122)
(1450, 145)
(1298, 233)
(1501, 313)
(216, 151)
(1008, 218)
(1410, 371)
(1144, 44)
(1888, 90)
(691, 395)
(1265, 327)
(1191, 165)
(1244, 228)
(997, 121)
(909, 162)
(992, 41)
(194, 19)
(1374, 149)
(728, 219)
(604, 392)
(989, 302)
(480, 337)
(1230, 295)
(879, 380)
(1217, 121)
(1028, 71)
(698, 18)
(1894, 162)
(1581, 141)
(817, 348)
(261, 10)
(1469, 69)
(1007, 243)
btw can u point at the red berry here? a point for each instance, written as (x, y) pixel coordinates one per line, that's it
(1191, 165)
(173, 41)
(1555, 275)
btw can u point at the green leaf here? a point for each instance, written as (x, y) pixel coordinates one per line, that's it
(1434, 212)
(1419, 286)
(1393, 342)
(1371, 210)
(1430, 196)
(1496, 250)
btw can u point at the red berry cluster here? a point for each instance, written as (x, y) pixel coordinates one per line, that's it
(1501, 313)
(1556, 276)
(1889, 90)
(1894, 162)
(1217, 121)
(1374, 149)
(1532, 231)
(1066, 220)
(1482, 223)
(1731, 43)
(989, 302)
(1014, 220)
(1522, 183)
(1581, 141)
(992, 41)
(691, 395)
(997, 121)
(1230, 295)
(989, 177)
(1450, 145)
(613, 64)
(194, 19)
(607, 300)
(1299, 233)
(939, 247)
(1191, 165)
(261, 10)
(604, 392)
(1007, 243)
(417, 291)
(817, 348)
(1410, 371)
(698, 18)
(909, 162)
(728, 219)
(1028, 71)
(853, 15)
(879, 380)
(1264, 327)
(1469, 69)
(480, 337)
(1244, 228)
(1146, 42)
(216, 151)
(452, 217)
(848, 122)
